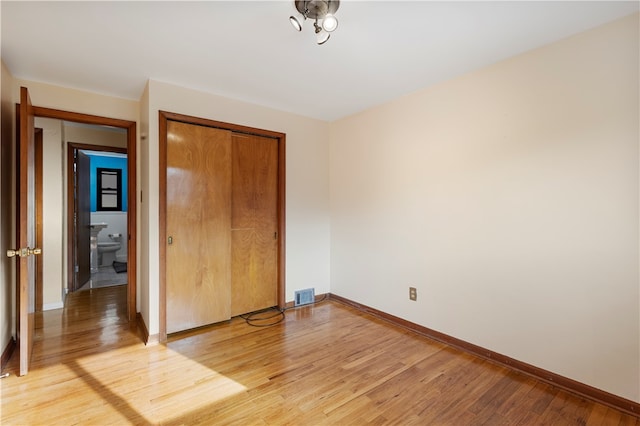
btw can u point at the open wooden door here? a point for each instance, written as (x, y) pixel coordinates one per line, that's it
(83, 219)
(26, 230)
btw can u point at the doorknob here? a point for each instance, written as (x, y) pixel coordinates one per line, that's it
(18, 252)
(23, 252)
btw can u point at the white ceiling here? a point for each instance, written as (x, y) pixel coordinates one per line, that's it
(249, 51)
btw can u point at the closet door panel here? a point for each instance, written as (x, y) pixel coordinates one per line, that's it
(253, 271)
(198, 255)
(254, 223)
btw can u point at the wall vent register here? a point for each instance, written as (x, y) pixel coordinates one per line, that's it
(304, 297)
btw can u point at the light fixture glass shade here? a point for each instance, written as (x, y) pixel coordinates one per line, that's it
(322, 37)
(320, 13)
(296, 22)
(329, 23)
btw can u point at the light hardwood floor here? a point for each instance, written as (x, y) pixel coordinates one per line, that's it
(324, 364)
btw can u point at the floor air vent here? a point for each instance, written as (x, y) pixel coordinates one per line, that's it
(304, 297)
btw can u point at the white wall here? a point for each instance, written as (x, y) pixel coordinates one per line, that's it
(307, 183)
(509, 198)
(7, 210)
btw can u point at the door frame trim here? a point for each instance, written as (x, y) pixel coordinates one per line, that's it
(39, 165)
(71, 245)
(163, 118)
(130, 127)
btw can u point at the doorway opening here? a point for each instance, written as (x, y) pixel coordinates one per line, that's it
(97, 178)
(127, 237)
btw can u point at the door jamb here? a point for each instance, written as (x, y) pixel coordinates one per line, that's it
(39, 220)
(165, 116)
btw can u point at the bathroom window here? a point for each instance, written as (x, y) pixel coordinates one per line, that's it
(109, 189)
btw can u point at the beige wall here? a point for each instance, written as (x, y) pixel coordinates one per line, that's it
(54, 208)
(66, 99)
(307, 183)
(509, 198)
(7, 203)
(143, 225)
(94, 135)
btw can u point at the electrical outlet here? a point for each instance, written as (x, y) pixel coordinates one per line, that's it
(413, 293)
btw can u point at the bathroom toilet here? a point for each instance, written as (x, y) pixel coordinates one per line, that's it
(107, 250)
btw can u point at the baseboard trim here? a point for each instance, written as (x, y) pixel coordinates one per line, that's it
(8, 351)
(148, 340)
(52, 306)
(578, 388)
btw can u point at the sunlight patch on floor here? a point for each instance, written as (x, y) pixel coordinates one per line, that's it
(174, 382)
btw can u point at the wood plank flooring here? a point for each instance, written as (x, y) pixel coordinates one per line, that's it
(323, 364)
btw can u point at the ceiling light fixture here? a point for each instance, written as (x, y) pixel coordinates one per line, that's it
(322, 12)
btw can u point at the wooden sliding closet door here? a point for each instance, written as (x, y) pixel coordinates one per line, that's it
(254, 223)
(198, 224)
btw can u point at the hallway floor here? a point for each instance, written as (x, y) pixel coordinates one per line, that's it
(105, 277)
